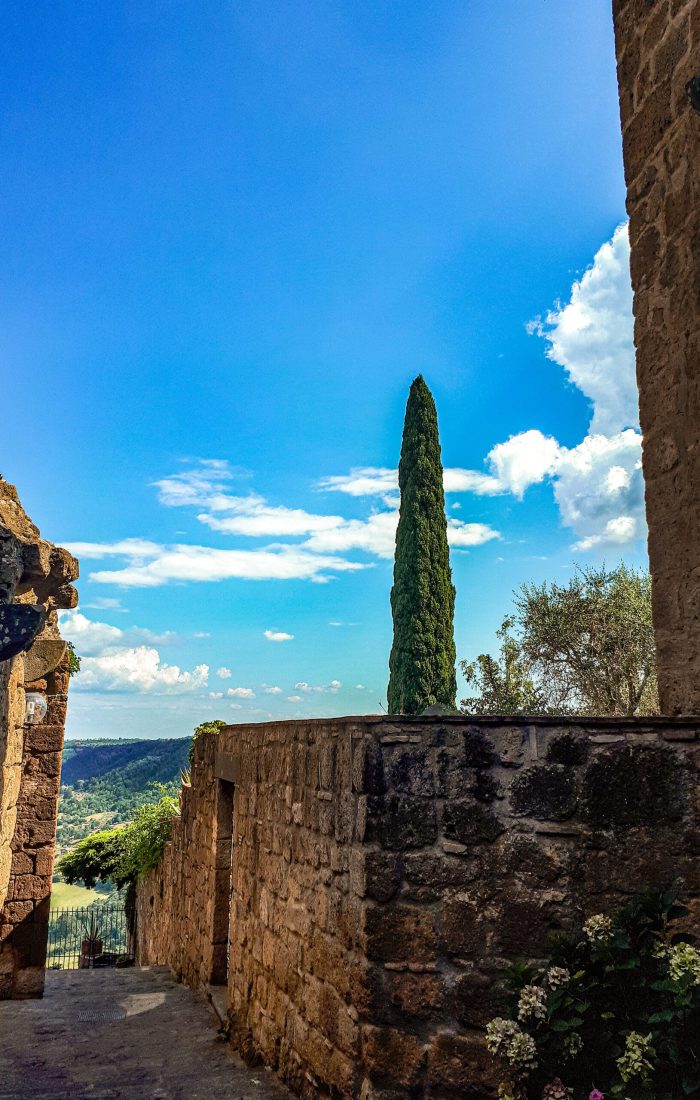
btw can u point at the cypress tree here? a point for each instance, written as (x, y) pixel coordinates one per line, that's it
(422, 661)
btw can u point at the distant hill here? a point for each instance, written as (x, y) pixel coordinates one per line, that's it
(103, 782)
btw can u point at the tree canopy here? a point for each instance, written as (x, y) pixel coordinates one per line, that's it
(586, 647)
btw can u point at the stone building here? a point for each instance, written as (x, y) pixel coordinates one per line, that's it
(35, 581)
(658, 50)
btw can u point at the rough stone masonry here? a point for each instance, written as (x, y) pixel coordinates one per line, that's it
(658, 54)
(360, 884)
(35, 580)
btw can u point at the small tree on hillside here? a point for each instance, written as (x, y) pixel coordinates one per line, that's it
(422, 661)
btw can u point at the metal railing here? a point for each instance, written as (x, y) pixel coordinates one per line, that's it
(82, 939)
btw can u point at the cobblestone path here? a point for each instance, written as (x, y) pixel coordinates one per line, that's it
(117, 1035)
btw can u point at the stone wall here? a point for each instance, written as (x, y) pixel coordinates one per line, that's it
(35, 581)
(658, 51)
(385, 872)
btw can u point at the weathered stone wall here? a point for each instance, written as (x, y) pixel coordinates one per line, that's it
(35, 581)
(658, 51)
(386, 871)
(175, 905)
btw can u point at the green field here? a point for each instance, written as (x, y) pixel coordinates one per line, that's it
(64, 896)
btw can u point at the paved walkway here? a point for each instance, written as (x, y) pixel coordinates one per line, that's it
(117, 1035)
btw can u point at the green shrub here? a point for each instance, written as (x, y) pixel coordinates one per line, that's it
(145, 837)
(203, 728)
(73, 660)
(125, 853)
(615, 1014)
(95, 858)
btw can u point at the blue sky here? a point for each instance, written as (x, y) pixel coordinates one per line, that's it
(231, 236)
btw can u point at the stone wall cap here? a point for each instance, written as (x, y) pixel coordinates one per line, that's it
(547, 721)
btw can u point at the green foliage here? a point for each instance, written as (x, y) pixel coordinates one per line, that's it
(201, 730)
(616, 1010)
(586, 647)
(422, 661)
(505, 685)
(73, 660)
(145, 838)
(123, 854)
(95, 858)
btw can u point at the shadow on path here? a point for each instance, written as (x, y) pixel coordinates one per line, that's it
(117, 1035)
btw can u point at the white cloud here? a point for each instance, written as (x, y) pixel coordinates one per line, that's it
(318, 689)
(339, 623)
(110, 661)
(87, 636)
(223, 673)
(257, 518)
(617, 532)
(272, 689)
(294, 698)
(137, 669)
(360, 687)
(375, 535)
(91, 637)
(205, 563)
(523, 460)
(591, 337)
(469, 534)
(597, 483)
(105, 603)
(240, 693)
(136, 549)
(215, 695)
(277, 636)
(363, 481)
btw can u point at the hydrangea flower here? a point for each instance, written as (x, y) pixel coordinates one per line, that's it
(598, 929)
(684, 959)
(499, 1033)
(557, 976)
(596, 1095)
(573, 1044)
(635, 1062)
(505, 1039)
(522, 1051)
(532, 1003)
(556, 1090)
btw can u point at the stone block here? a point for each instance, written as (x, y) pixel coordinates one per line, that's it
(420, 996)
(463, 930)
(463, 1064)
(407, 821)
(399, 933)
(410, 771)
(636, 785)
(545, 791)
(469, 822)
(391, 1057)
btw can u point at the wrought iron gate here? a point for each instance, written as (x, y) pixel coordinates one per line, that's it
(96, 936)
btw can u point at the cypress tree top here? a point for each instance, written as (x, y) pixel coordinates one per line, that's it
(422, 661)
